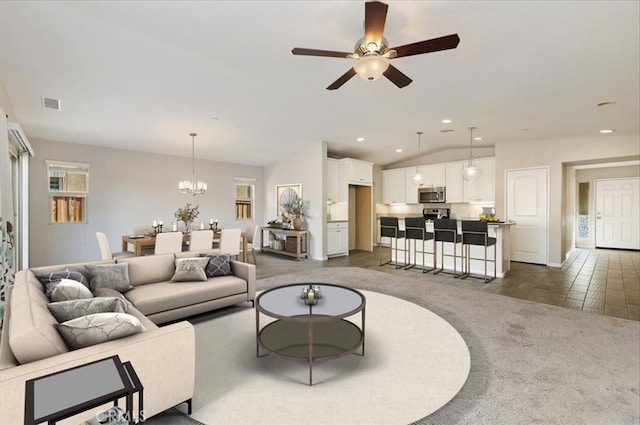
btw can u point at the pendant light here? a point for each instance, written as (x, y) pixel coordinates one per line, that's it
(470, 171)
(192, 187)
(418, 178)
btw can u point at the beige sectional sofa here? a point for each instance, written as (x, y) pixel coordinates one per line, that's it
(163, 356)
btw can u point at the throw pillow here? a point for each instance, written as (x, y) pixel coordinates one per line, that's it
(108, 292)
(50, 280)
(97, 328)
(114, 276)
(68, 310)
(218, 265)
(190, 269)
(68, 289)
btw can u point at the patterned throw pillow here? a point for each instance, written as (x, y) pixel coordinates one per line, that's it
(190, 270)
(114, 276)
(68, 310)
(108, 292)
(97, 328)
(68, 289)
(218, 265)
(50, 280)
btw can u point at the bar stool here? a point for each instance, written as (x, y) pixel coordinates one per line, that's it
(389, 228)
(476, 233)
(415, 230)
(445, 230)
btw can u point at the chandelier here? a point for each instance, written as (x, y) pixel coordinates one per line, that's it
(418, 178)
(192, 187)
(470, 172)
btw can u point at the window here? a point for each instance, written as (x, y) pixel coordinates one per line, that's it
(245, 198)
(68, 189)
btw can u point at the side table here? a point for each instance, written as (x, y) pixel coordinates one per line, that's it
(85, 387)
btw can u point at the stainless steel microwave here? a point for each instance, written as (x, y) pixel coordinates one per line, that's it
(431, 194)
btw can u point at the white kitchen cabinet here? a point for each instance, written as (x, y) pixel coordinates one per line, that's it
(482, 189)
(394, 184)
(411, 190)
(433, 175)
(454, 182)
(332, 180)
(337, 238)
(355, 171)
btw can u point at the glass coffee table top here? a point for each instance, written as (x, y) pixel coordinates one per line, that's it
(286, 301)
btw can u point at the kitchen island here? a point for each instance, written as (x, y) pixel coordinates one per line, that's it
(499, 230)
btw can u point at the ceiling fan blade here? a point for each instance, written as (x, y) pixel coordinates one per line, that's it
(428, 46)
(396, 77)
(315, 52)
(343, 79)
(375, 15)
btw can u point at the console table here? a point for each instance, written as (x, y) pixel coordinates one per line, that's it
(85, 387)
(295, 242)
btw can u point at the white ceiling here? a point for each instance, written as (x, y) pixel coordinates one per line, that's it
(141, 75)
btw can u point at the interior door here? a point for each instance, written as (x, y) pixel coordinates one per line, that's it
(617, 213)
(527, 205)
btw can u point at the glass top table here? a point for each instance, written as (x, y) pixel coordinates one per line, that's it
(310, 332)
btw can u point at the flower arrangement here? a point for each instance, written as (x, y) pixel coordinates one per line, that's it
(296, 208)
(187, 213)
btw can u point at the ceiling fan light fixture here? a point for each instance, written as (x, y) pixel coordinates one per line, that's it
(371, 67)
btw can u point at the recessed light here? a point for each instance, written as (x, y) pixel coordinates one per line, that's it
(477, 138)
(607, 103)
(446, 121)
(360, 139)
(398, 150)
(606, 131)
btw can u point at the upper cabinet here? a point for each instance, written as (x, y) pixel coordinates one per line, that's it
(482, 189)
(410, 188)
(354, 171)
(394, 183)
(454, 182)
(332, 180)
(433, 175)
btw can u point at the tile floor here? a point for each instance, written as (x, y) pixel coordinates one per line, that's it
(600, 281)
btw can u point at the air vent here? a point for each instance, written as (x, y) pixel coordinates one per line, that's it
(446, 130)
(51, 103)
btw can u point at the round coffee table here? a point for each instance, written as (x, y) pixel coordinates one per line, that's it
(310, 332)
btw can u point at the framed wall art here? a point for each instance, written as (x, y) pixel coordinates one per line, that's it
(286, 193)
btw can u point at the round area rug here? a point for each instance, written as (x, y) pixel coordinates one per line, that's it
(414, 363)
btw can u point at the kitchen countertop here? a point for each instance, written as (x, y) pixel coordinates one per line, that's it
(402, 216)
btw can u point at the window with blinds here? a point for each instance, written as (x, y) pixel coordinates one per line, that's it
(245, 199)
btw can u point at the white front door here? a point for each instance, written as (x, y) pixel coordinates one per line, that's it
(617, 213)
(527, 203)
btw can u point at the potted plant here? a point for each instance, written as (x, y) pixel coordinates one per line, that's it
(296, 208)
(188, 215)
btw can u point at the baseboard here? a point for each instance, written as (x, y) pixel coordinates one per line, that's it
(557, 265)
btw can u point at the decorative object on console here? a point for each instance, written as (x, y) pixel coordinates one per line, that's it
(187, 215)
(470, 172)
(295, 207)
(418, 178)
(192, 187)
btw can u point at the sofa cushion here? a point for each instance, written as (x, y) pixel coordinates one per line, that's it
(108, 292)
(50, 280)
(190, 270)
(68, 289)
(150, 268)
(163, 296)
(97, 328)
(114, 276)
(68, 310)
(218, 265)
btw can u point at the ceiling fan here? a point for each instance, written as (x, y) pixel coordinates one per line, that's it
(372, 52)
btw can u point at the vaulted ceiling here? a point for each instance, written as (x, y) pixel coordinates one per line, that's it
(142, 75)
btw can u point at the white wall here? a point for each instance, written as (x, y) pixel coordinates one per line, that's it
(305, 166)
(127, 189)
(554, 153)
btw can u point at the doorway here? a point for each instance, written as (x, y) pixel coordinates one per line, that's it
(617, 213)
(360, 218)
(527, 200)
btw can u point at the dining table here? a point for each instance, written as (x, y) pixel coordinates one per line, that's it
(140, 242)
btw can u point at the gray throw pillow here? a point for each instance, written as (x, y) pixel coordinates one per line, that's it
(218, 265)
(108, 292)
(114, 276)
(67, 310)
(190, 270)
(97, 328)
(50, 280)
(68, 289)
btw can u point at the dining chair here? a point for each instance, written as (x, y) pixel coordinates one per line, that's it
(252, 238)
(201, 239)
(105, 249)
(168, 243)
(230, 242)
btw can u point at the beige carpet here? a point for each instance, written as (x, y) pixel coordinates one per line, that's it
(414, 363)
